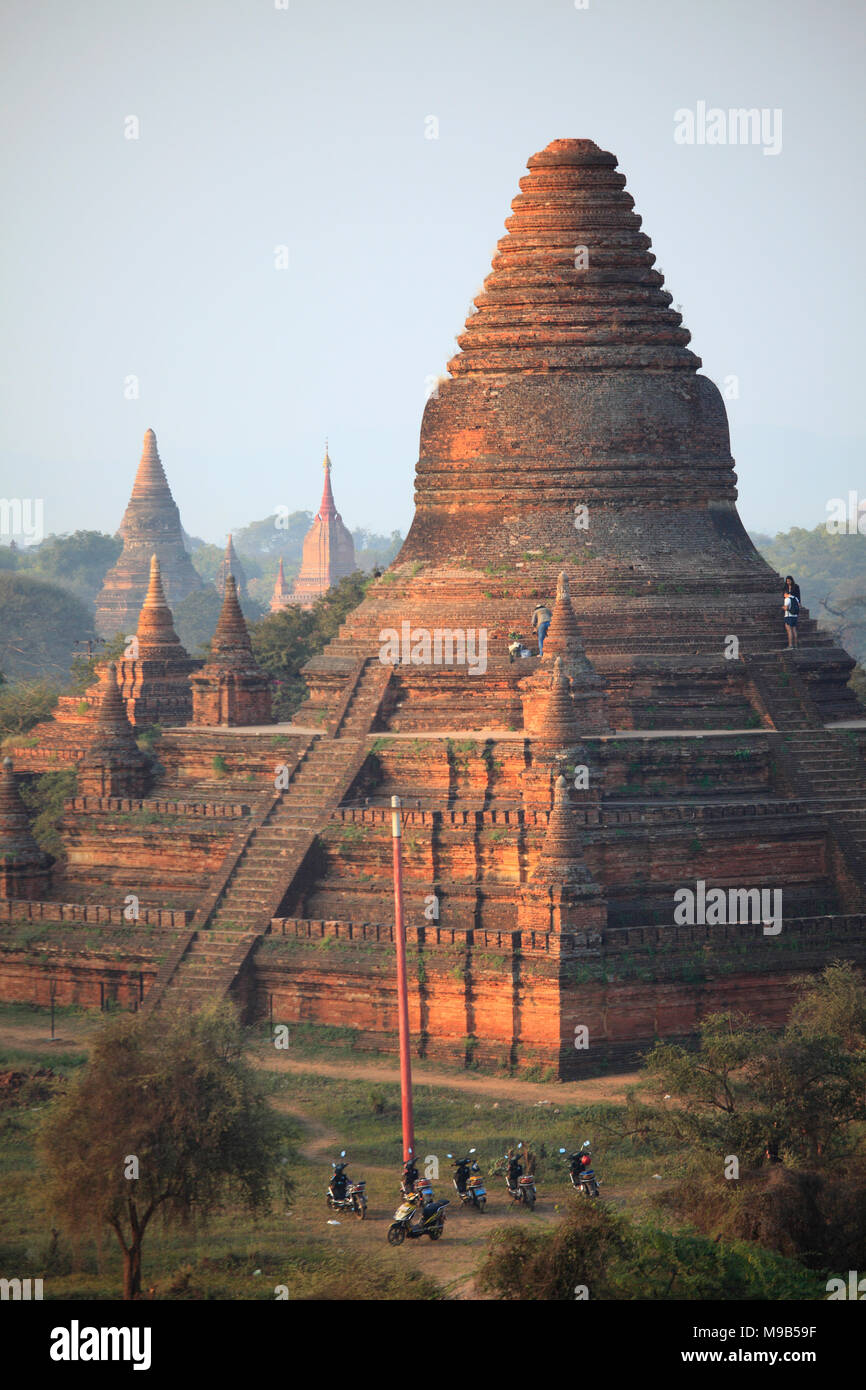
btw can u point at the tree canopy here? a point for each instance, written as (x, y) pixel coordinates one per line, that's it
(596, 1252)
(770, 1126)
(39, 626)
(78, 562)
(284, 641)
(167, 1117)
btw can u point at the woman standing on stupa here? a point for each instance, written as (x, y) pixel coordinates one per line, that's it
(791, 609)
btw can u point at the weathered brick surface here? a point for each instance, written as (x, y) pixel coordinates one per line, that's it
(150, 526)
(536, 899)
(231, 688)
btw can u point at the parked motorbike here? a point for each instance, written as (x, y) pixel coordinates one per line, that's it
(521, 1186)
(409, 1177)
(468, 1183)
(581, 1172)
(345, 1195)
(415, 1218)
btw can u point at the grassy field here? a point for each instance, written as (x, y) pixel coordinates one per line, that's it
(296, 1247)
(302, 1250)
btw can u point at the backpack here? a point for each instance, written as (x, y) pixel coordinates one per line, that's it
(793, 605)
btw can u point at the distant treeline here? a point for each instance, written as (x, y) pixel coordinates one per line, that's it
(47, 592)
(831, 572)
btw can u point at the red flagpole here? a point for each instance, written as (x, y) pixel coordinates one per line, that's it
(402, 986)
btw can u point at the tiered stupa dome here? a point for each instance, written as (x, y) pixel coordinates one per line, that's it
(576, 435)
(154, 683)
(150, 525)
(156, 634)
(231, 688)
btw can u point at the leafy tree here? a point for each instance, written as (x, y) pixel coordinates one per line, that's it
(744, 1093)
(195, 619)
(39, 625)
(283, 642)
(85, 671)
(45, 797)
(372, 550)
(744, 1085)
(208, 560)
(78, 562)
(23, 704)
(166, 1117)
(834, 1003)
(266, 537)
(714, 1110)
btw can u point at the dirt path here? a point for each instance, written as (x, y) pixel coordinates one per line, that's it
(72, 1035)
(452, 1262)
(594, 1089)
(318, 1140)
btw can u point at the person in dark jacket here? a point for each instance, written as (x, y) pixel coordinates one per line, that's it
(791, 609)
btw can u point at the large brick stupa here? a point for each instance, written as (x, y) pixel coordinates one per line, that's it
(576, 431)
(150, 526)
(558, 809)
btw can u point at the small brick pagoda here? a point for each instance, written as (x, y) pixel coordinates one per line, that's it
(552, 807)
(231, 687)
(150, 525)
(282, 590)
(154, 683)
(328, 554)
(113, 764)
(25, 869)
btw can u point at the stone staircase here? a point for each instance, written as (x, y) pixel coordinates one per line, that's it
(233, 919)
(824, 765)
(782, 692)
(208, 965)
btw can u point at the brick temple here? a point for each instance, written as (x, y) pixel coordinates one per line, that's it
(150, 526)
(553, 808)
(327, 556)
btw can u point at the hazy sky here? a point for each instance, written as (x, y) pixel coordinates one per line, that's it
(305, 127)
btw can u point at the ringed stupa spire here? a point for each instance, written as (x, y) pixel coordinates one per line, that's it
(113, 764)
(155, 632)
(150, 525)
(231, 640)
(231, 688)
(231, 565)
(154, 677)
(280, 596)
(327, 506)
